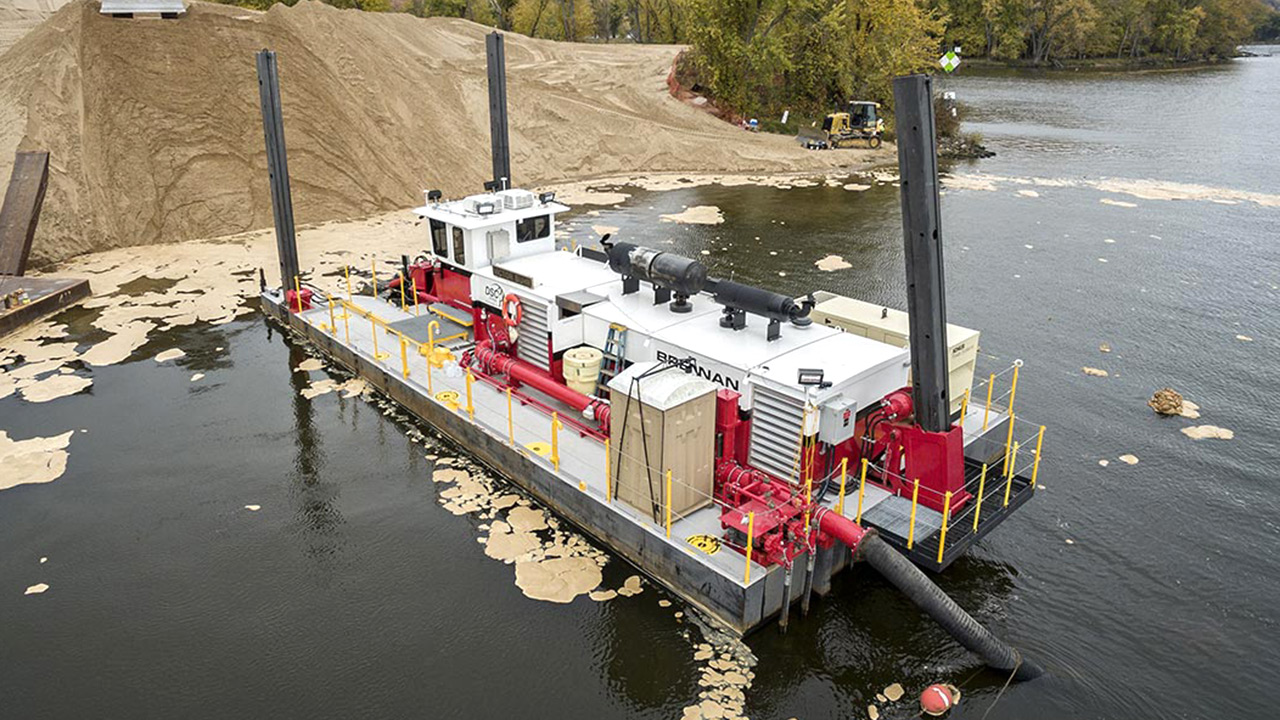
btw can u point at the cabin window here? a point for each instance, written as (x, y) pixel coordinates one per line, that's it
(439, 241)
(459, 247)
(534, 228)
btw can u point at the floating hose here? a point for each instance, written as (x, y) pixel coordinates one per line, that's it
(913, 583)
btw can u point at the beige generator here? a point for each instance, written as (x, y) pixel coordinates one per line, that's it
(891, 326)
(662, 418)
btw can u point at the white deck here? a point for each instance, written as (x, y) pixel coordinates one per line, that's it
(582, 457)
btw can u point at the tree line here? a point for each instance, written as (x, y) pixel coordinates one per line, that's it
(758, 57)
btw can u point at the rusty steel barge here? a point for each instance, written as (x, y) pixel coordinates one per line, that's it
(737, 445)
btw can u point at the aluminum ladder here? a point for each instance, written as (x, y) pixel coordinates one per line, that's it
(615, 353)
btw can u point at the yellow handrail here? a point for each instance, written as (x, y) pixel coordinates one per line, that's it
(471, 408)
(1008, 485)
(1035, 468)
(844, 473)
(862, 490)
(555, 440)
(915, 499)
(946, 518)
(986, 414)
(751, 539)
(982, 484)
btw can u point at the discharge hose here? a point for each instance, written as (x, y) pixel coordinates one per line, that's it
(930, 598)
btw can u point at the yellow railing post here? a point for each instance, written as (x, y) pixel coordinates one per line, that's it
(1013, 389)
(373, 270)
(668, 503)
(808, 501)
(964, 408)
(403, 304)
(844, 473)
(297, 292)
(430, 386)
(1008, 485)
(432, 328)
(333, 321)
(986, 414)
(946, 518)
(404, 356)
(1035, 468)
(511, 424)
(915, 503)
(471, 408)
(1008, 443)
(346, 325)
(608, 474)
(982, 485)
(751, 539)
(373, 324)
(417, 306)
(862, 491)
(350, 297)
(555, 440)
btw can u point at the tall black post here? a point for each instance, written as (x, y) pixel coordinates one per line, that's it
(278, 166)
(922, 233)
(496, 55)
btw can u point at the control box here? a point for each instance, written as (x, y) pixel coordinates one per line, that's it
(838, 416)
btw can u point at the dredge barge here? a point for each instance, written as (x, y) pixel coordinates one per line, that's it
(738, 445)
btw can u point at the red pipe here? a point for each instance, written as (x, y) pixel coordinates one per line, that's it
(522, 372)
(841, 528)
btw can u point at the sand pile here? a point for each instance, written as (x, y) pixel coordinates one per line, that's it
(155, 133)
(18, 17)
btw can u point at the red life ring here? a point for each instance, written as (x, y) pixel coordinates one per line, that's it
(512, 309)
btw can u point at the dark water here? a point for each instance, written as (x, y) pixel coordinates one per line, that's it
(352, 593)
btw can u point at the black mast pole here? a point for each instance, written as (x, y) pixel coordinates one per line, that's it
(496, 56)
(922, 233)
(278, 167)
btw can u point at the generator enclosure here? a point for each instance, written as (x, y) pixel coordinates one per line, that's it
(662, 418)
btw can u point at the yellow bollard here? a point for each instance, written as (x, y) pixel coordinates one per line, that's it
(1008, 442)
(844, 473)
(751, 538)
(1013, 389)
(915, 498)
(471, 408)
(297, 292)
(982, 485)
(668, 503)
(417, 306)
(1035, 468)
(555, 440)
(404, 357)
(986, 414)
(946, 518)
(862, 490)
(511, 425)
(608, 474)
(1008, 485)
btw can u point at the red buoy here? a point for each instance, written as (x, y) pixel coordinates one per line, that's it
(936, 700)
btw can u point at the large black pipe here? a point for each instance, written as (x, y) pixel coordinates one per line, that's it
(913, 583)
(772, 305)
(668, 270)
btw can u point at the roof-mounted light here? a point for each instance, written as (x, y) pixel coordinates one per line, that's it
(547, 197)
(434, 196)
(491, 185)
(486, 208)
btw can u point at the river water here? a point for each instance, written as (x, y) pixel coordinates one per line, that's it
(353, 593)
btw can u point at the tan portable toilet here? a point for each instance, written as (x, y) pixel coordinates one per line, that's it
(678, 412)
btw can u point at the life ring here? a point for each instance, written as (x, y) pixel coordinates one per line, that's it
(512, 309)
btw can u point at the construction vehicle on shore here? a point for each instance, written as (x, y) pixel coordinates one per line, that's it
(860, 123)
